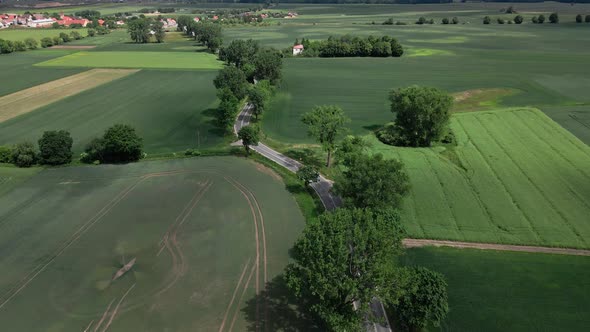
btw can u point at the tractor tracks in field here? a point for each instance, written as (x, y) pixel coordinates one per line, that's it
(416, 243)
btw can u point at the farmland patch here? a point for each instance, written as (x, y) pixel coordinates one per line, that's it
(160, 60)
(30, 99)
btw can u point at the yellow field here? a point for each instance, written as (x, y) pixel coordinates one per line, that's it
(27, 100)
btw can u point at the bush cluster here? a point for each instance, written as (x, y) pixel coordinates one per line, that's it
(55, 148)
(352, 46)
(119, 144)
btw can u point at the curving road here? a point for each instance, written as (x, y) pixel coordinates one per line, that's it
(322, 188)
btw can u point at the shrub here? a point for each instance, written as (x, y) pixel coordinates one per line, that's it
(93, 151)
(91, 32)
(75, 35)
(445, 21)
(554, 18)
(46, 42)
(57, 41)
(31, 43)
(6, 46)
(20, 46)
(65, 37)
(455, 20)
(587, 19)
(535, 19)
(518, 19)
(541, 19)
(121, 144)
(388, 134)
(487, 20)
(55, 148)
(579, 18)
(421, 20)
(5, 154)
(23, 154)
(192, 152)
(500, 20)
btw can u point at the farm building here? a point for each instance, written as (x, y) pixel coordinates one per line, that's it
(44, 22)
(297, 49)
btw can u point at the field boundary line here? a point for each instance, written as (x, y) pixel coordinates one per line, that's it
(533, 183)
(416, 243)
(104, 315)
(233, 297)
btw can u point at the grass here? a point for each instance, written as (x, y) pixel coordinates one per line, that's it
(507, 291)
(11, 177)
(515, 177)
(161, 60)
(37, 34)
(172, 111)
(189, 253)
(41, 95)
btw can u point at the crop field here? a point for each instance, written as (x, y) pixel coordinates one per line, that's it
(37, 34)
(171, 110)
(515, 177)
(505, 291)
(200, 238)
(27, 100)
(18, 72)
(160, 60)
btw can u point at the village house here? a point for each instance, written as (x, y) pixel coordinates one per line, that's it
(40, 23)
(297, 49)
(169, 24)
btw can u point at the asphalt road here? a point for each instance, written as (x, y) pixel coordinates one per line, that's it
(322, 188)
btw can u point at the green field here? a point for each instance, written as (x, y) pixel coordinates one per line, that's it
(194, 226)
(506, 291)
(18, 72)
(172, 111)
(38, 34)
(160, 60)
(515, 177)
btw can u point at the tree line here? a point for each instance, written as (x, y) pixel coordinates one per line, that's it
(207, 33)
(351, 46)
(119, 144)
(347, 257)
(8, 46)
(251, 72)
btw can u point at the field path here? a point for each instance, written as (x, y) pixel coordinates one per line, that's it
(414, 243)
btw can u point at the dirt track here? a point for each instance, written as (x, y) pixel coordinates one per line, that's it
(414, 243)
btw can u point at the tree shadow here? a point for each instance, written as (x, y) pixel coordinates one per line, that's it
(277, 309)
(211, 121)
(374, 127)
(306, 156)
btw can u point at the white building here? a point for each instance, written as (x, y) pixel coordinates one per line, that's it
(297, 49)
(40, 23)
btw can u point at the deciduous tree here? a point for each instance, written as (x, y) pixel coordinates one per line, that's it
(579, 18)
(487, 20)
(23, 154)
(121, 144)
(424, 301)
(554, 18)
(267, 65)
(227, 110)
(308, 174)
(55, 148)
(345, 257)
(250, 135)
(370, 181)
(259, 95)
(325, 124)
(233, 79)
(422, 114)
(239, 52)
(518, 19)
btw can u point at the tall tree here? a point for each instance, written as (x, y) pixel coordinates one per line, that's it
(554, 18)
(239, 52)
(159, 33)
(259, 95)
(422, 114)
(55, 147)
(372, 182)
(233, 79)
(227, 110)
(343, 258)
(250, 135)
(139, 30)
(121, 144)
(425, 300)
(268, 64)
(325, 124)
